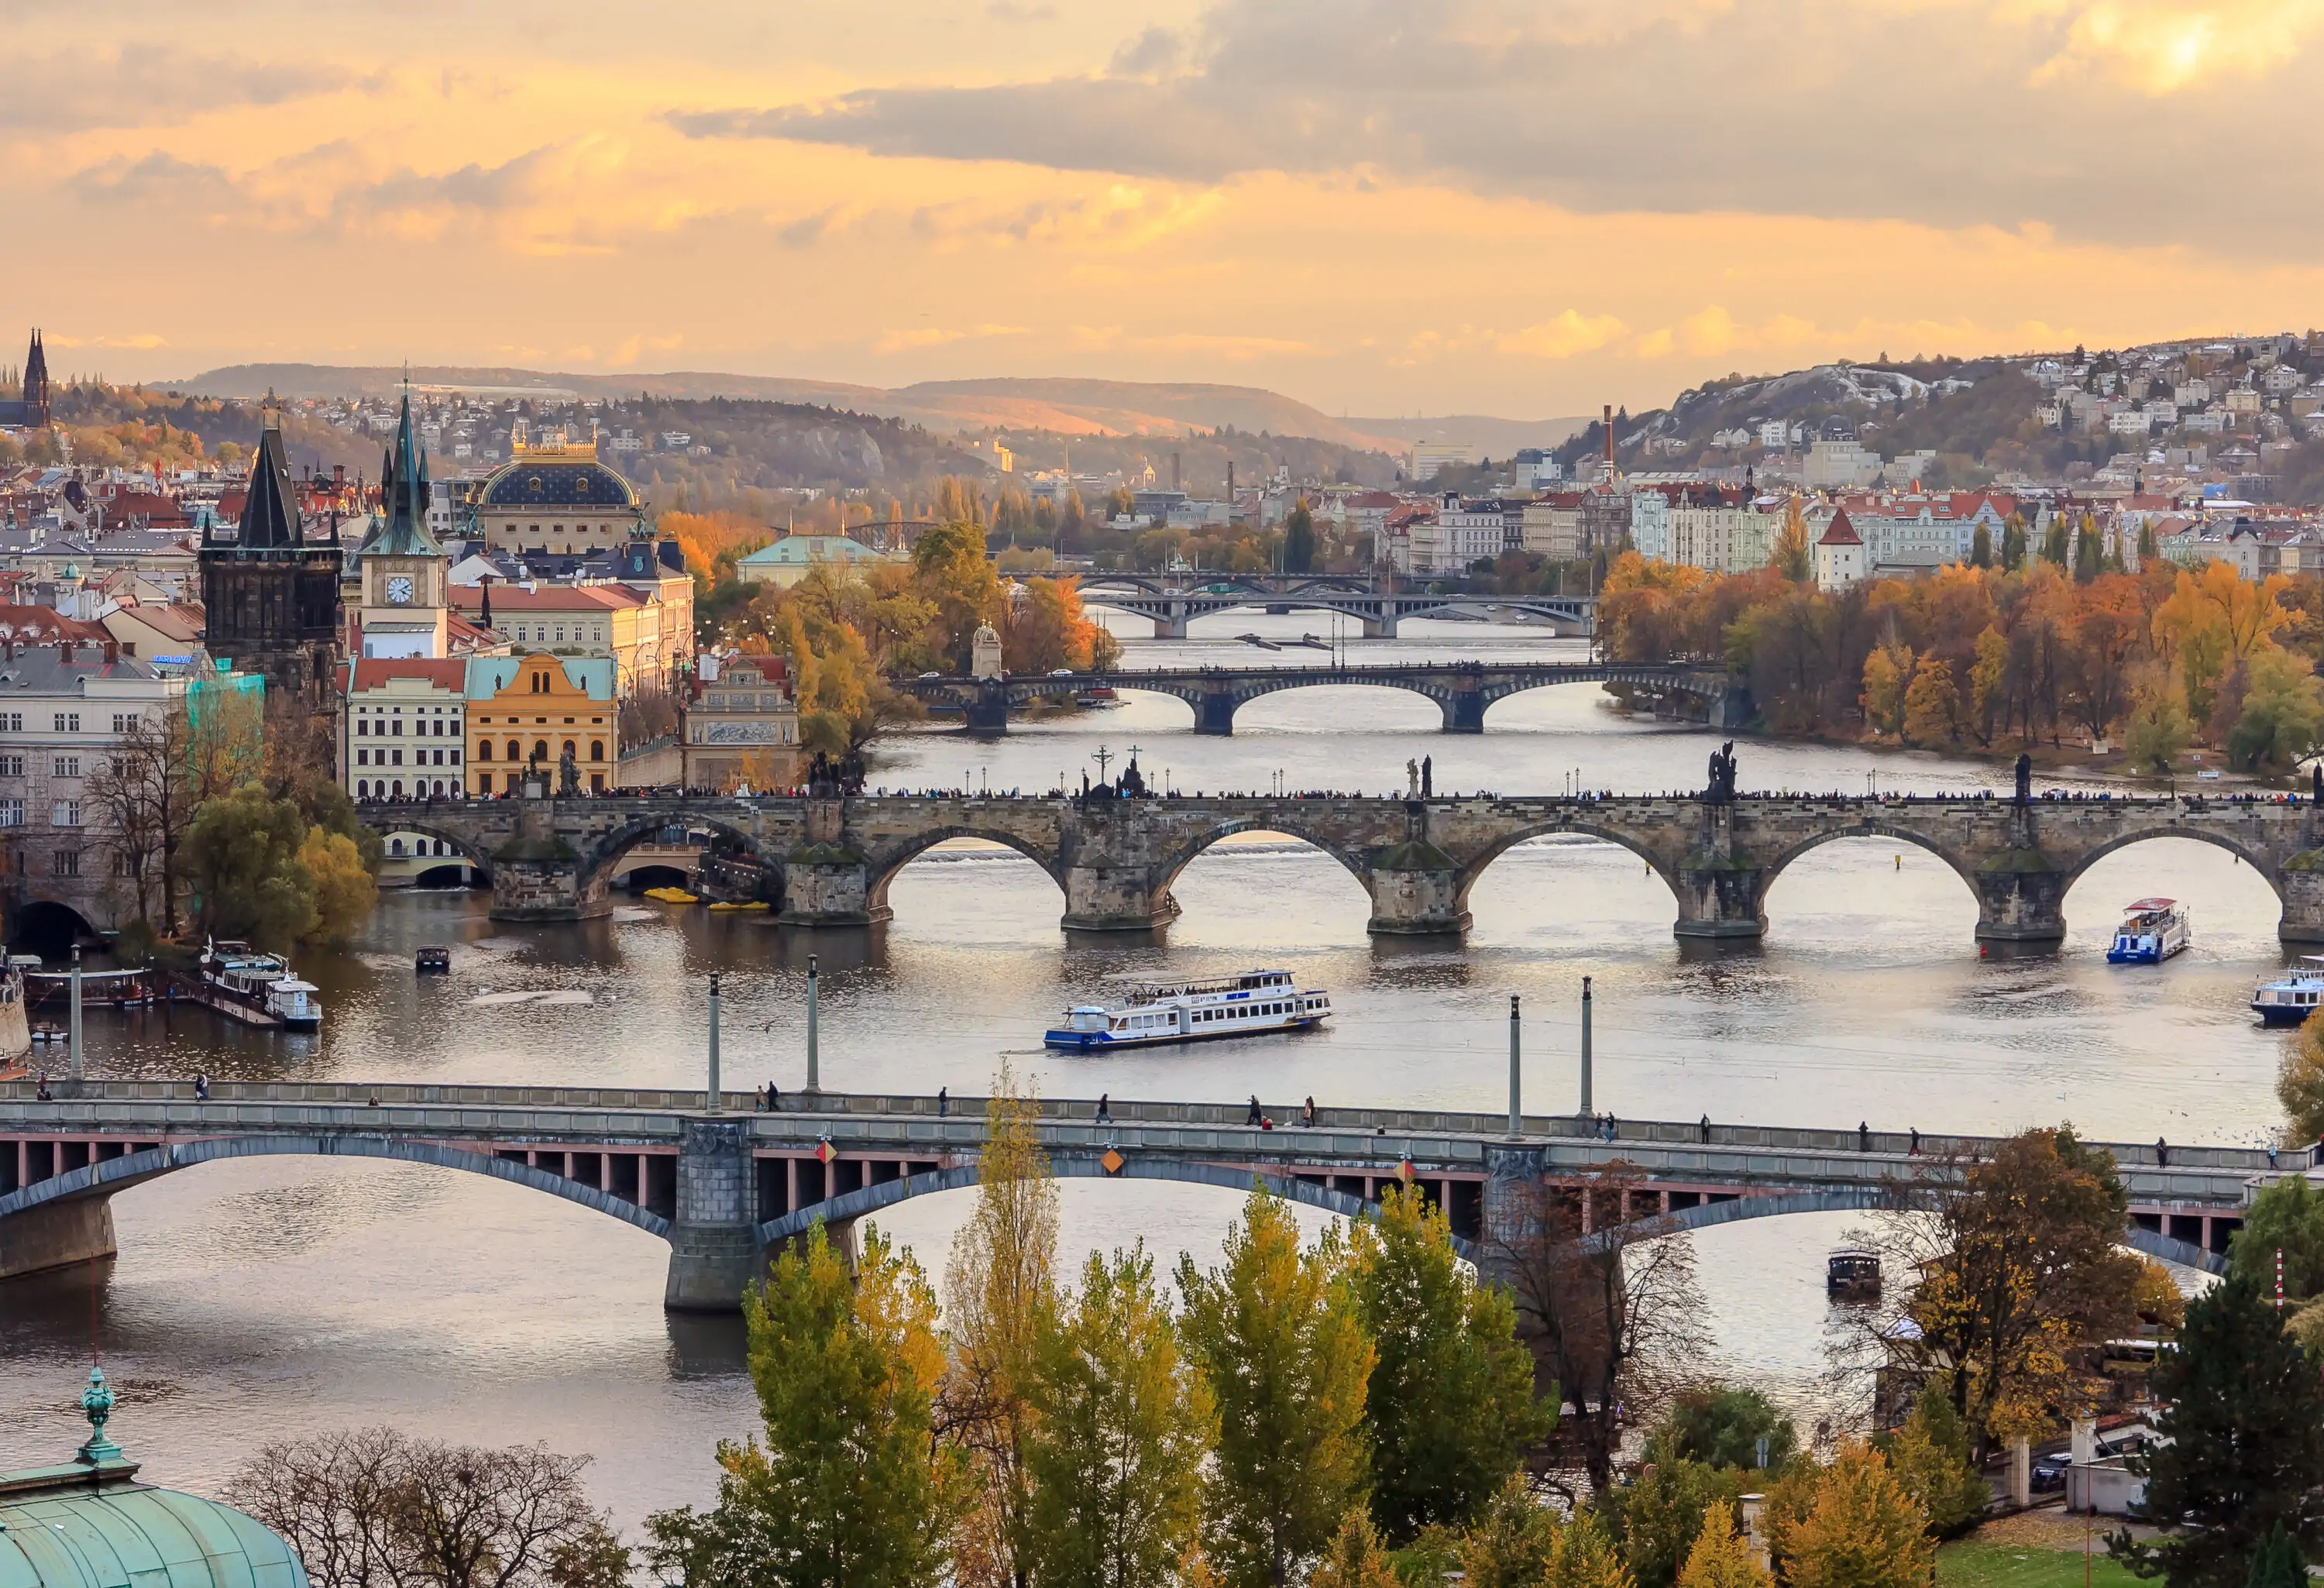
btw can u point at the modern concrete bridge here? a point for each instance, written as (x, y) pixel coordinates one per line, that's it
(1460, 689)
(724, 1187)
(1170, 600)
(831, 861)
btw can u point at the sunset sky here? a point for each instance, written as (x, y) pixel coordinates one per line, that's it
(1444, 206)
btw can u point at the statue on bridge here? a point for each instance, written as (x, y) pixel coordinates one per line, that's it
(1427, 777)
(1721, 790)
(829, 779)
(2024, 778)
(568, 773)
(1411, 779)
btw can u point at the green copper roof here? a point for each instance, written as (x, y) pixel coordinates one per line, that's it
(88, 1524)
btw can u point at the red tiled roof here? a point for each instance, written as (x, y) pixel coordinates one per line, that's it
(45, 625)
(1840, 532)
(371, 672)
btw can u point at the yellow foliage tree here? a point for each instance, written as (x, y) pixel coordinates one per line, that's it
(345, 891)
(2299, 1085)
(1585, 1557)
(1721, 1558)
(1932, 705)
(1886, 670)
(1355, 1559)
(1790, 556)
(1863, 1532)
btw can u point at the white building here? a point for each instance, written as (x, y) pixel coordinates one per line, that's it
(1838, 554)
(406, 722)
(1428, 457)
(1840, 465)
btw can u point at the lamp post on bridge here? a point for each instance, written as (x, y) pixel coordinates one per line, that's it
(1516, 1117)
(1586, 1108)
(814, 1069)
(713, 1101)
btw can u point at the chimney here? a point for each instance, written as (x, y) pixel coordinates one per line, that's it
(1609, 427)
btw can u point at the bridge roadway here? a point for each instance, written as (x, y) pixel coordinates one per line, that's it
(722, 1188)
(829, 862)
(1170, 600)
(1460, 689)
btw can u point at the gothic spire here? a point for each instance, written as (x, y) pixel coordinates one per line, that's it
(270, 517)
(403, 495)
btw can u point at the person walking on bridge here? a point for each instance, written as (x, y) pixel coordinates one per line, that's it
(1254, 1116)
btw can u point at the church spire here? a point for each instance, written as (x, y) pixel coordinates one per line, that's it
(403, 495)
(270, 516)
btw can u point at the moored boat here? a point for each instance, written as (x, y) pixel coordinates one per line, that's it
(2292, 997)
(98, 989)
(2152, 931)
(1193, 1010)
(257, 989)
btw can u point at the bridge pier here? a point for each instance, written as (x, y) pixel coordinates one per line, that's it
(1416, 891)
(986, 714)
(56, 1235)
(1214, 713)
(2300, 883)
(1721, 892)
(545, 885)
(2020, 899)
(714, 1241)
(1115, 899)
(1464, 711)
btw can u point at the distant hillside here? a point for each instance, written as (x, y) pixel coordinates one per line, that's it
(1059, 406)
(1498, 439)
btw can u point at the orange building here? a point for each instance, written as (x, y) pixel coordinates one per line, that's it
(535, 710)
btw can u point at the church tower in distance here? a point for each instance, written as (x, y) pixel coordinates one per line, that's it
(270, 597)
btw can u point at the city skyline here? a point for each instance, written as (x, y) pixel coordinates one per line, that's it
(1518, 210)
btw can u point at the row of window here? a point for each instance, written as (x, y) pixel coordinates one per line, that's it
(366, 756)
(485, 783)
(421, 728)
(63, 813)
(63, 722)
(421, 789)
(540, 749)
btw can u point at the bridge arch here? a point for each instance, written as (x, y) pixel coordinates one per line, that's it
(872, 1199)
(1194, 848)
(1578, 823)
(2261, 862)
(395, 820)
(605, 851)
(1895, 832)
(119, 1174)
(883, 868)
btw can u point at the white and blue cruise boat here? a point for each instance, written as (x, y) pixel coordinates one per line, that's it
(2291, 998)
(2152, 931)
(1193, 1011)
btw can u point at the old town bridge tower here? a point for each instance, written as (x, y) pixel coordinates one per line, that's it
(270, 597)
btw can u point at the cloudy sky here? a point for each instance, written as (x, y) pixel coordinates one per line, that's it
(1517, 207)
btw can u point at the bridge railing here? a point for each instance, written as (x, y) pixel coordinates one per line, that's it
(1283, 1113)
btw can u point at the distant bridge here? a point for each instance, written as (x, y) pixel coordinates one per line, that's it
(724, 1187)
(1171, 600)
(829, 862)
(1460, 689)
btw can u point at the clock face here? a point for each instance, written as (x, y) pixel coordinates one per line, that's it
(399, 590)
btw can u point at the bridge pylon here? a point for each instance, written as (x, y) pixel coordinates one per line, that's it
(714, 1242)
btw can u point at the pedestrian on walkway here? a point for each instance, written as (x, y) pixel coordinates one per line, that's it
(1916, 1142)
(201, 1087)
(1104, 1108)
(1254, 1116)
(1706, 1130)
(1864, 1136)
(944, 1100)
(2162, 1153)
(1307, 1114)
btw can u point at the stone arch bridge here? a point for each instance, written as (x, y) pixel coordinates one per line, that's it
(1169, 601)
(724, 1187)
(829, 862)
(1461, 690)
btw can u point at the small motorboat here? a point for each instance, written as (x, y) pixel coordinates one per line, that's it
(432, 961)
(2152, 931)
(722, 906)
(2292, 997)
(1852, 1273)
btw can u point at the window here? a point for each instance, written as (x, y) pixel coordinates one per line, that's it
(567, 749)
(398, 731)
(596, 782)
(66, 813)
(363, 727)
(12, 766)
(515, 750)
(596, 750)
(484, 782)
(65, 862)
(395, 847)
(541, 750)
(67, 722)
(456, 758)
(399, 758)
(12, 813)
(12, 722)
(64, 766)
(123, 721)
(483, 750)
(362, 756)
(362, 789)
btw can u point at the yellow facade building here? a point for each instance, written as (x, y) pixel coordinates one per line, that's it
(534, 711)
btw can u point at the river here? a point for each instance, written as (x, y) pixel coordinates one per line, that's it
(254, 1300)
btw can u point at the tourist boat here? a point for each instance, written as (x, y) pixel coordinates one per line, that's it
(433, 960)
(1852, 1273)
(1193, 1011)
(672, 896)
(2291, 998)
(257, 989)
(98, 989)
(2152, 931)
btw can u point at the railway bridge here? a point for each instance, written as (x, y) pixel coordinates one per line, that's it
(724, 1184)
(1170, 600)
(1460, 689)
(829, 862)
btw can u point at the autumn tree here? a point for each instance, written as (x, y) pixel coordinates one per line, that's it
(2282, 1232)
(1863, 1530)
(851, 1485)
(1299, 538)
(2239, 1446)
(1001, 1280)
(373, 1508)
(1931, 705)
(1511, 1545)
(1278, 1334)
(1355, 1559)
(1721, 1556)
(1611, 1309)
(1791, 556)
(1932, 1459)
(2019, 1282)
(1121, 1425)
(1659, 1514)
(2299, 1085)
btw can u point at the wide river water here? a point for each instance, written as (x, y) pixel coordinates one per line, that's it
(261, 1299)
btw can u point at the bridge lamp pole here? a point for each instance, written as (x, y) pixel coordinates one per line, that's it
(814, 1067)
(711, 1099)
(1586, 1108)
(1516, 1120)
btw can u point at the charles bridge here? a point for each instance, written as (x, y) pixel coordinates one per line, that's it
(1169, 601)
(1460, 689)
(830, 861)
(725, 1184)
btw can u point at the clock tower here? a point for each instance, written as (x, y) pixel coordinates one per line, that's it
(404, 611)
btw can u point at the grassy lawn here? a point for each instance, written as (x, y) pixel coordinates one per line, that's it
(1974, 1562)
